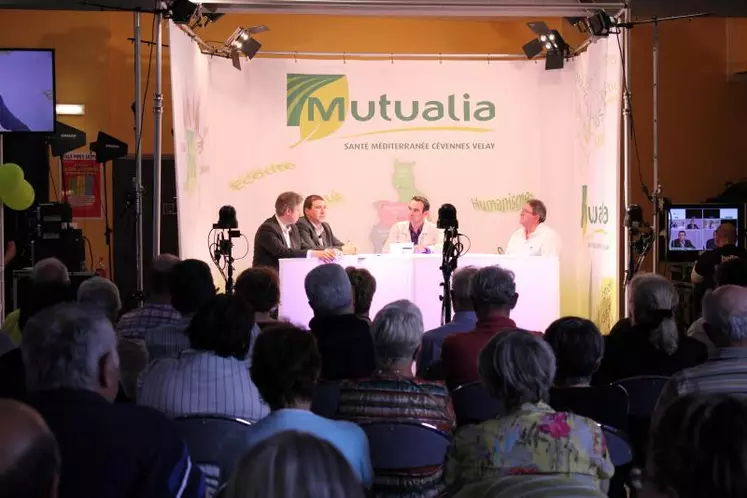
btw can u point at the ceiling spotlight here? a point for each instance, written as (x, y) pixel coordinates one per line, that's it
(557, 52)
(181, 11)
(598, 25)
(555, 47)
(241, 43)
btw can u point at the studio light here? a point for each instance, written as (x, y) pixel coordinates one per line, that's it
(241, 42)
(551, 42)
(598, 25)
(181, 11)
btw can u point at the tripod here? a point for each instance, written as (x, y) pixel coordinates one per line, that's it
(224, 248)
(451, 251)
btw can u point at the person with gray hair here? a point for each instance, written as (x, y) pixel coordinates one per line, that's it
(517, 368)
(393, 394)
(464, 320)
(102, 294)
(534, 238)
(344, 339)
(50, 270)
(157, 310)
(650, 342)
(107, 449)
(493, 294)
(725, 370)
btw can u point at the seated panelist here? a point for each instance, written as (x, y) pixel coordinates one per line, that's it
(278, 236)
(315, 231)
(416, 229)
(534, 238)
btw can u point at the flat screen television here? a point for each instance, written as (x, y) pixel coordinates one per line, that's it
(690, 228)
(27, 91)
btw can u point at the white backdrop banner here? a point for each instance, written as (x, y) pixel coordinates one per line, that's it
(368, 135)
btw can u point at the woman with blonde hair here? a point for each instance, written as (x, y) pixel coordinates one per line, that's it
(650, 341)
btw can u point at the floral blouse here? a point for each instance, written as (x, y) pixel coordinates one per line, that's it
(533, 440)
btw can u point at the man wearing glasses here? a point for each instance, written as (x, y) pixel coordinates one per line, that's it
(534, 238)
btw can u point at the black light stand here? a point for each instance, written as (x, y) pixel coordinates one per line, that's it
(222, 247)
(452, 249)
(640, 242)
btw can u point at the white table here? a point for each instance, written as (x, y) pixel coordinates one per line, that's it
(418, 277)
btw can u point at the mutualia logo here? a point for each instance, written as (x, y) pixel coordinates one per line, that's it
(592, 214)
(320, 104)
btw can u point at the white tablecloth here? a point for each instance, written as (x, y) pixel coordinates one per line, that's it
(418, 278)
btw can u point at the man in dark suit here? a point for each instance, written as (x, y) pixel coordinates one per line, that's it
(315, 231)
(682, 242)
(278, 236)
(8, 121)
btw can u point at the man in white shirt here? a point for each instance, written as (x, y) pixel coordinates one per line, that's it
(534, 238)
(417, 229)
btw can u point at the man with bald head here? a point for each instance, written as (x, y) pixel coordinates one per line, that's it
(157, 310)
(29, 456)
(725, 240)
(725, 371)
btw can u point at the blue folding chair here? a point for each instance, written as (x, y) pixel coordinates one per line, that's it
(643, 393)
(474, 404)
(216, 443)
(405, 445)
(326, 399)
(618, 444)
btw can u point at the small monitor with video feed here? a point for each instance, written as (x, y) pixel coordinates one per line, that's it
(692, 228)
(27, 91)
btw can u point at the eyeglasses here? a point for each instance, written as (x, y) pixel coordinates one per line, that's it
(524, 211)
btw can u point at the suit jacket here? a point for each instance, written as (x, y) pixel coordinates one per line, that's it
(269, 244)
(430, 236)
(686, 244)
(309, 240)
(8, 121)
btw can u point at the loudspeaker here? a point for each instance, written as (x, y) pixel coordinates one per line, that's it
(123, 215)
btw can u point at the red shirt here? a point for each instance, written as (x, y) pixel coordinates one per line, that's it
(459, 352)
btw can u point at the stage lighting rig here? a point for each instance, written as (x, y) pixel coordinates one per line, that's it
(181, 11)
(551, 42)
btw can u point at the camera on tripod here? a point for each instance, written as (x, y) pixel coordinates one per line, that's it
(227, 229)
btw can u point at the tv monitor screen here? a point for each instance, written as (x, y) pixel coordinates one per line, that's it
(27, 91)
(691, 228)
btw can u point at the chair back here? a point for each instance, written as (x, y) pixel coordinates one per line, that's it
(643, 393)
(405, 445)
(216, 443)
(326, 399)
(474, 404)
(618, 444)
(607, 405)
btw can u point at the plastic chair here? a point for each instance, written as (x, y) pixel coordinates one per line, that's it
(474, 404)
(405, 445)
(216, 443)
(607, 405)
(326, 399)
(643, 393)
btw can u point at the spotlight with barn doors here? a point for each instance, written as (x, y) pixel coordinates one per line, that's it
(241, 42)
(550, 42)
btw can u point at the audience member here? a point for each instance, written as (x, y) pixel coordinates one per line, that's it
(579, 346)
(157, 309)
(725, 371)
(101, 294)
(529, 437)
(494, 295)
(393, 394)
(260, 287)
(725, 241)
(212, 376)
(29, 457)
(343, 339)
(697, 449)
(730, 272)
(464, 320)
(294, 464)
(364, 288)
(648, 343)
(112, 450)
(285, 368)
(190, 286)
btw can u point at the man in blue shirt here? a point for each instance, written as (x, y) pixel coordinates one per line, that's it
(8, 121)
(464, 320)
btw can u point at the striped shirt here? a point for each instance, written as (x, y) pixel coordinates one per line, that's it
(167, 341)
(530, 486)
(724, 372)
(137, 323)
(201, 382)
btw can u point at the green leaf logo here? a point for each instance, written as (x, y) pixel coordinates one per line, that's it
(317, 104)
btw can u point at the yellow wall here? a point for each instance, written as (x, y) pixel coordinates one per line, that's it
(700, 120)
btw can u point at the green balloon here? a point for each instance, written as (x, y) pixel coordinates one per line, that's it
(11, 175)
(21, 198)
